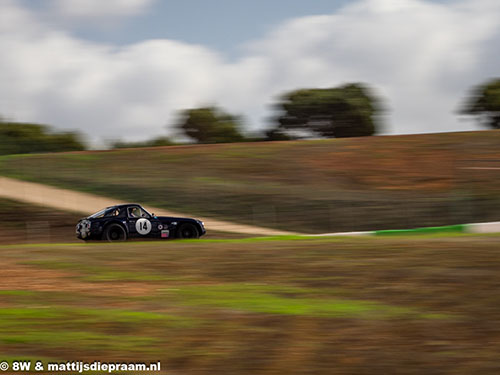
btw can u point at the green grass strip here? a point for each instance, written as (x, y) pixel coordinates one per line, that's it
(459, 228)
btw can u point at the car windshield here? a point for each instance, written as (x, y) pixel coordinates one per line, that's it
(98, 214)
(110, 211)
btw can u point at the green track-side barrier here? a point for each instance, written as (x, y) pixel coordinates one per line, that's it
(427, 230)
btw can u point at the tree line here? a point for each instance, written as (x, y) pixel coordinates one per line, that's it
(350, 110)
(22, 138)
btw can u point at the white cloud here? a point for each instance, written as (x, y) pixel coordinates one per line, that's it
(421, 57)
(416, 53)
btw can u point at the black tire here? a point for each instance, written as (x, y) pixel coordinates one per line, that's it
(114, 233)
(187, 230)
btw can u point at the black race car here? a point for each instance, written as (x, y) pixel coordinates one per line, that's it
(124, 221)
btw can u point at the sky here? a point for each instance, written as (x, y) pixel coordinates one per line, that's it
(123, 69)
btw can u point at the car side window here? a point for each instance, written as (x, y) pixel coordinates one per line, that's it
(136, 212)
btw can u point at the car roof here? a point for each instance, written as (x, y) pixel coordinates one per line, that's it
(124, 205)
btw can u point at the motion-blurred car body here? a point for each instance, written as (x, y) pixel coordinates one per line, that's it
(125, 221)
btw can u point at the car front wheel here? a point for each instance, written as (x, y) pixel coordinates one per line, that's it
(114, 233)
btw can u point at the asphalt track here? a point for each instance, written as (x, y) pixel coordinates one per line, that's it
(86, 204)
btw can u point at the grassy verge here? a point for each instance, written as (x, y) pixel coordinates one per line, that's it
(402, 304)
(21, 223)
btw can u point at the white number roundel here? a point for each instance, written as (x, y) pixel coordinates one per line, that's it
(143, 226)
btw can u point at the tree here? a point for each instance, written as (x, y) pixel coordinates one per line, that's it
(210, 125)
(21, 138)
(345, 111)
(484, 104)
(155, 142)
(277, 134)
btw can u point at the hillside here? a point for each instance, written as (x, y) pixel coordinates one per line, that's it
(307, 186)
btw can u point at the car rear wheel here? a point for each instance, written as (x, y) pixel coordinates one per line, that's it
(187, 231)
(114, 233)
